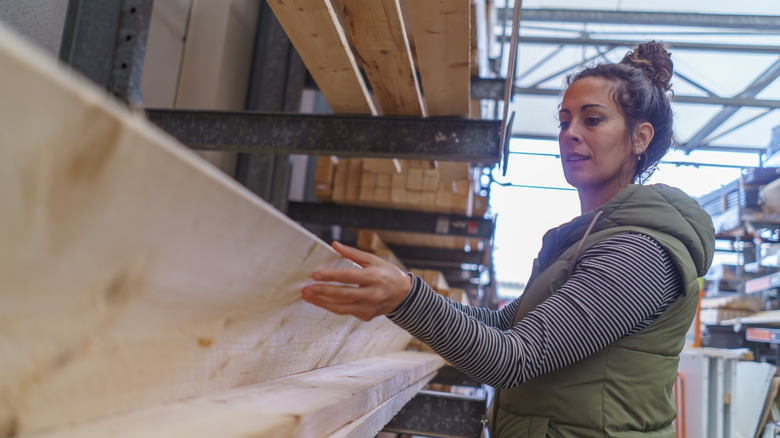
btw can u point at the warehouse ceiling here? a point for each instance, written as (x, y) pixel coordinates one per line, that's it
(726, 56)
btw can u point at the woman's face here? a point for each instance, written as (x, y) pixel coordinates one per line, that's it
(596, 152)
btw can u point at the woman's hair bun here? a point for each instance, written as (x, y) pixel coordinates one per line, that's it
(654, 60)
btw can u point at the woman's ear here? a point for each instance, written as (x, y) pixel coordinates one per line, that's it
(643, 135)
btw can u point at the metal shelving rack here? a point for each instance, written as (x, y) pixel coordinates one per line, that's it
(106, 41)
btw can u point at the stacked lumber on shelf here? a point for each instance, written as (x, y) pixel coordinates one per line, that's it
(438, 282)
(371, 242)
(403, 184)
(145, 293)
(338, 39)
(392, 42)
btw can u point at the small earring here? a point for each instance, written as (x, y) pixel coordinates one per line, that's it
(639, 157)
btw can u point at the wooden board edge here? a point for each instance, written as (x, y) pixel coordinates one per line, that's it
(52, 376)
(307, 405)
(372, 423)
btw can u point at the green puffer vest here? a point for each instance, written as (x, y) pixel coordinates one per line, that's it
(624, 390)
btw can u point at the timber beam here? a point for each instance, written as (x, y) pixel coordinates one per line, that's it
(414, 138)
(392, 220)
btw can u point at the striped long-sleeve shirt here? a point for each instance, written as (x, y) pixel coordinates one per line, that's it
(618, 287)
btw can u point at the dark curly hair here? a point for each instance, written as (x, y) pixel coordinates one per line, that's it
(643, 92)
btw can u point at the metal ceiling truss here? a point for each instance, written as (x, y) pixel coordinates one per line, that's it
(725, 24)
(490, 89)
(720, 21)
(760, 83)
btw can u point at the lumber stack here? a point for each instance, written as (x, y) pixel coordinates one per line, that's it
(438, 283)
(370, 241)
(145, 293)
(392, 42)
(445, 187)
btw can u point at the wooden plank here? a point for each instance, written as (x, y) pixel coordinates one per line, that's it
(371, 423)
(379, 36)
(442, 37)
(354, 174)
(312, 404)
(133, 272)
(324, 176)
(474, 57)
(450, 171)
(340, 180)
(382, 165)
(313, 28)
(404, 238)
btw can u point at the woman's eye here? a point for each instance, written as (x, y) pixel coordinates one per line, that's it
(593, 121)
(563, 125)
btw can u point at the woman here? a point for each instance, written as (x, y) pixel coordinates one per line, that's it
(592, 346)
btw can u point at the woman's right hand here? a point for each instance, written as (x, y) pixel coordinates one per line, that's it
(377, 289)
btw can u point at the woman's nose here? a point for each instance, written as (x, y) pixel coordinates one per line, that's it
(572, 133)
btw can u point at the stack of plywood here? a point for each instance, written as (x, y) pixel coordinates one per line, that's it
(145, 293)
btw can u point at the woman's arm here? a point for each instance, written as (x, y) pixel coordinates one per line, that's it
(618, 287)
(501, 319)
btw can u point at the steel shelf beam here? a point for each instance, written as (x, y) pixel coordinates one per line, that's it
(392, 220)
(721, 21)
(449, 375)
(732, 106)
(424, 253)
(440, 414)
(457, 274)
(416, 138)
(699, 47)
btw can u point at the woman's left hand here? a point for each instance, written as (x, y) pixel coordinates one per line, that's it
(377, 289)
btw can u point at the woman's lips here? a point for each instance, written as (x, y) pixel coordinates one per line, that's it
(576, 157)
